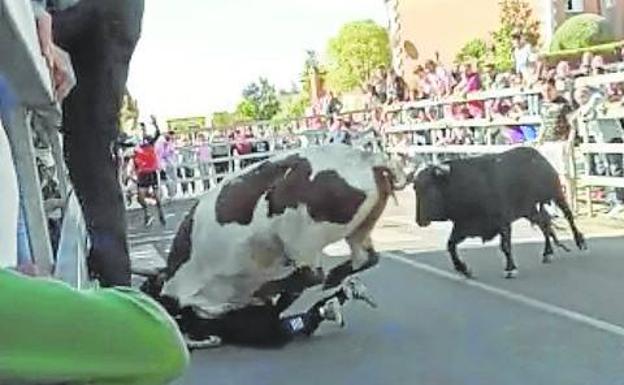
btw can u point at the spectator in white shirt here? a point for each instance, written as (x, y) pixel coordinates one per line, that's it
(522, 50)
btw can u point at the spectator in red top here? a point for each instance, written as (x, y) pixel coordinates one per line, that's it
(146, 167)
(471, 82)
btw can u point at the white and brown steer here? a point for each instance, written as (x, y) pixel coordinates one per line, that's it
(244, 240)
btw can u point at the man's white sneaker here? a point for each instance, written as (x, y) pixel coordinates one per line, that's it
(355, 289)
(332, 311)
(205, 343)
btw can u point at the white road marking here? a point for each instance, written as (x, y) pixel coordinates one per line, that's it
(519, 298)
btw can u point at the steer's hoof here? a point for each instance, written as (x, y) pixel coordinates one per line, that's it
(547, 258)
(511, 273)
(467, 273)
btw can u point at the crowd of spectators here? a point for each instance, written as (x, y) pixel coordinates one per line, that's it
(445, 88)
(543, 107)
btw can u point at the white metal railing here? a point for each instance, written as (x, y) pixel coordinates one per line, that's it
(472, 97)
(23, 64)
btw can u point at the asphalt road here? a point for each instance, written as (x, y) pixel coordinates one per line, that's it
(555, 324)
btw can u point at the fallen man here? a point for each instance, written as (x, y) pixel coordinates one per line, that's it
(263, 325)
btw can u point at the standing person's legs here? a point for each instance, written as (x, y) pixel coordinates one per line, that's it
(143, 185)
(157, 198)
(180, 173)
(172, 181)
(190, 173)
(616, 169)
(204, 170)
(100, 36)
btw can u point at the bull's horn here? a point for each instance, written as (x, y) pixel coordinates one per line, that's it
(409, 178)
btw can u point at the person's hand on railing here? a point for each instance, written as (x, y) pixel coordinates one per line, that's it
(58, 61)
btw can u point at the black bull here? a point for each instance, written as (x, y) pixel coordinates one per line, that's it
(482, 196)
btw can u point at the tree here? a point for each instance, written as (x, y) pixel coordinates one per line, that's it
(358, 49)
(515, 16)
(475, 49)
(129, 113)
(259, 101)
(582, 31)
(311, 66)
(293, 107)
(222, 119)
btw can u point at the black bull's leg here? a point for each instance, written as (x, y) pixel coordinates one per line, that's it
(100, 36)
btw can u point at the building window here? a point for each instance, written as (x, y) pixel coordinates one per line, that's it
(575, 6)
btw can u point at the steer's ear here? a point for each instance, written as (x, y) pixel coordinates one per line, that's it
(441, 170)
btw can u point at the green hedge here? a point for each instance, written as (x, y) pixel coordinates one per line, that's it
(580, 31)
(607, 50)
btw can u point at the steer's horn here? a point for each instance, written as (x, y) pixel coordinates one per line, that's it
(409, 178)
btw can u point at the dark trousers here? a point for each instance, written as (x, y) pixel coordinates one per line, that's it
(100, 36)
(186, 172)
(260, 326)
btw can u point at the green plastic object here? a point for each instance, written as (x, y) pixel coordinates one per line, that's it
(51, 333)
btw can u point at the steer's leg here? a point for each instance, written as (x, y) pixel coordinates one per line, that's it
(579, 239)
(456, 238)
(543, 220)
(363, 257)
(505, 244)
(544, 225)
